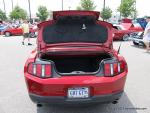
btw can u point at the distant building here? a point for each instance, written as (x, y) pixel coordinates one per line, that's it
(34, 19)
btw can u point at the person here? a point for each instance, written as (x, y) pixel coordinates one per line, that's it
(25, 28)
(146, 36)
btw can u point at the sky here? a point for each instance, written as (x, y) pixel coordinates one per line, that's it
(143, 6)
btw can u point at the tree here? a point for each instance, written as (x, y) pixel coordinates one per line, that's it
(42, 13)
(134, 14)
(18, 13)
(2, 15)
(127, 8)
(86, 5)
(79, 8)
(106, 13)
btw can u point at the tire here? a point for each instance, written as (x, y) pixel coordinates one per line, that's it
(135, 43)
(7, 34)
(125, 37)
(32, 35)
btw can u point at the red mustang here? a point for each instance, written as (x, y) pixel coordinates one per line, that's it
(74, 62)
(10, 31)
(123, 31)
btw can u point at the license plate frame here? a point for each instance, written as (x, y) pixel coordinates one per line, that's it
(78, 93)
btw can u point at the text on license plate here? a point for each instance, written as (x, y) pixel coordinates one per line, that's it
(78, 92)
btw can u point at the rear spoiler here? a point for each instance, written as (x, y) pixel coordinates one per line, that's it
(57, 14)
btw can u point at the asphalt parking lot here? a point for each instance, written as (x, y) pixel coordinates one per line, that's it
(14, 97)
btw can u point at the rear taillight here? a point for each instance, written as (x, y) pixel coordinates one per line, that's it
(114, 67)
(40, 70)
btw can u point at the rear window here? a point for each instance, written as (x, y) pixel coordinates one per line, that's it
(75, 29)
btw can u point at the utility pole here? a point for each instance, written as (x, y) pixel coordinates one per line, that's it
(120, 12)
(4, 6)
(104, 4)
(29, 10)
(12, 4)
(62, 3)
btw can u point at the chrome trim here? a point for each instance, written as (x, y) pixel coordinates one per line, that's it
(34, 69)
(43, 71)
(119, 67)
(111, 70)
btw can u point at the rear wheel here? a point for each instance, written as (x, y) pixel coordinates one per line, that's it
(135, 43)
(7, 34)
(125, 37)
(39, 105)
(32, 35)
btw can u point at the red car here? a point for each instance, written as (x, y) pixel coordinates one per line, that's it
(123, 31)
(132, 27)
(11, 31)
(74, 62)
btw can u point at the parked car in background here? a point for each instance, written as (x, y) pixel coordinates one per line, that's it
(125, 30)
(126, 20)
(142, 22)
(132, 27)
(3, 28)
(138, 39)
(120, 33)
(74, 62)
(11, 31)
(33, 31)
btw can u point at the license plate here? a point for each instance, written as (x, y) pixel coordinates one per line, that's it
(78, 92)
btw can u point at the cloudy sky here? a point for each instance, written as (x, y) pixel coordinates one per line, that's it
(143, 6)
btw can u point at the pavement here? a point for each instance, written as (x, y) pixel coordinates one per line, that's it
(14, 97)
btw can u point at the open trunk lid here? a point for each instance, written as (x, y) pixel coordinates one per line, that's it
(74, 28)
(57, 14)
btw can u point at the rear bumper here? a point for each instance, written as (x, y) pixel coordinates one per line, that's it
(53, 89)
(64, 100)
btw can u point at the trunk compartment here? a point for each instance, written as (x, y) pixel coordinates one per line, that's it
(76, 63)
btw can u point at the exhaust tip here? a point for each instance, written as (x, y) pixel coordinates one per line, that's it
(115, 102)
(39, 105)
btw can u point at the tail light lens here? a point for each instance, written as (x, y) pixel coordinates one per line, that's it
(113, 68)
(40, 70)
